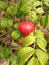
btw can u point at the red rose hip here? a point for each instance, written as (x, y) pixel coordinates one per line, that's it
(26, 27)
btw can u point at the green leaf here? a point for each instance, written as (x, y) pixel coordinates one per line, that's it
(44, 20)
(33, 16)
(47, 38)
(4, 23)
(24, 54)
(39, 33)
(12, 10)
(33, 61)
(15, 34)
(1, 52)
(48, 55)
(42, 43)
(10, 22)
(6, 51)
(42, 56)
(16, 25)
(40, 10)
(47, 20)
(28, 40)
(37, 3)
(23, 2)
(3, 5)
(11, 58)
(46, 2)
(25, 9)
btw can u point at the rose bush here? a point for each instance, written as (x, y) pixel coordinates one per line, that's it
(24, 32)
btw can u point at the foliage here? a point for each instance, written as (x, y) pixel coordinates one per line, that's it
(31, 49)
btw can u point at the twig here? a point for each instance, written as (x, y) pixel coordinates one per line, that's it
(42, 3)
(34, 45)
(3, 34)
(44, 30)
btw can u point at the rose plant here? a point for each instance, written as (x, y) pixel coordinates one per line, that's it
(24, 32)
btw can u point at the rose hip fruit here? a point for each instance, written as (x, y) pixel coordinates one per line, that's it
(26, 27)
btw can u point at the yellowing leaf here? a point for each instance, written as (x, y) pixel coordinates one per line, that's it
(39, 33)
(37, 3)
(40, 10)
(24, 54)
(33, 61)
(42, 43)
(28, 40)
(42, 56)
(33, 16)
